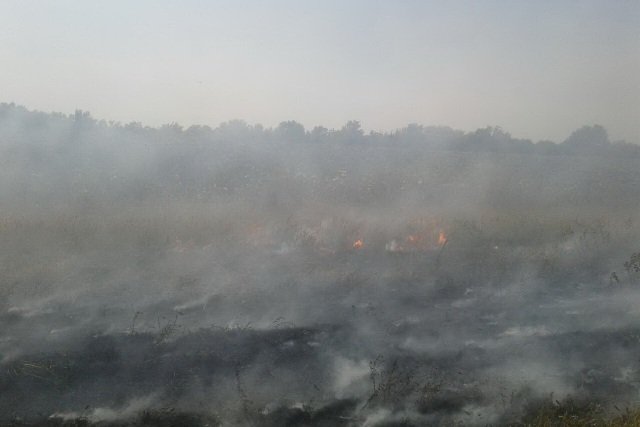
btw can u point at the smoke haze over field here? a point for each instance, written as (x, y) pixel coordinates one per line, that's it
(259, 276)
(337, 213)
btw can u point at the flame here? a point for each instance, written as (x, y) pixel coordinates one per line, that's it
(442, 238)
(358, 244)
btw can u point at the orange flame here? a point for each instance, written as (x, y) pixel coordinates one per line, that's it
(442, 238)
(358, 244)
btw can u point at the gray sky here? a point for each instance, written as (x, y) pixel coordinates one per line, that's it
(539, 69)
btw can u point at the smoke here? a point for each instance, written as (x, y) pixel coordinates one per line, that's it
(257, 275)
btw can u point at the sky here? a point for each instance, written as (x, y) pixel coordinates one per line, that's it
(539, 69)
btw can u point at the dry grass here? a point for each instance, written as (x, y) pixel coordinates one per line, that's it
(570, 414)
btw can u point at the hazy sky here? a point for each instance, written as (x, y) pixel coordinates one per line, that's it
(540, 69)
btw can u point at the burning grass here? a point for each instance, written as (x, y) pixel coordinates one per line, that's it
(246, 315)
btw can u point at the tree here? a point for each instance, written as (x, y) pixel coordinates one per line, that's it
(290, 131)
(319, 134)
(351, 132)
(588, 137)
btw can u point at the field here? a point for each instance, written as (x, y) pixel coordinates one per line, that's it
(225, 283)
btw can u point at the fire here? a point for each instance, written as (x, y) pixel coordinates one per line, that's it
(358, 244)
(442, 238)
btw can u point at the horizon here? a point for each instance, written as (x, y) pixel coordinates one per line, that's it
(308, 129)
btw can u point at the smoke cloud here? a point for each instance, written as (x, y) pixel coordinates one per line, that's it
(263, 276)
